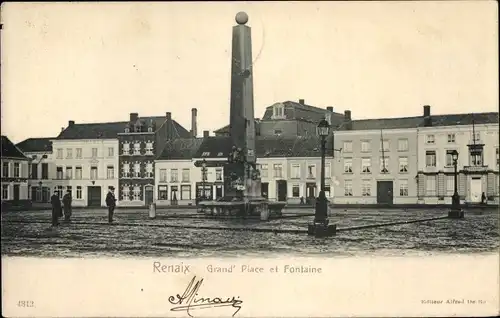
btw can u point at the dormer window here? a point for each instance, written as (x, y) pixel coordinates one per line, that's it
(150, 129)
(127, 130)
(205, 154)
(278, 111)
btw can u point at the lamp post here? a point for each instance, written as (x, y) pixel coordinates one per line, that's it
(203, 177)
(455, 212)
(320, 226)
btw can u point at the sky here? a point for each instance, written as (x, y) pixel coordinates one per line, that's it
(98, 62)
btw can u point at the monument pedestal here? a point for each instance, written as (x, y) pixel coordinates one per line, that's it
(456, 214)
(322, 229)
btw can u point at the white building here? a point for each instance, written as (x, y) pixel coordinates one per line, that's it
(14, 175)
(475, 138)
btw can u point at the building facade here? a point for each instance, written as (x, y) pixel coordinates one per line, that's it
(42, 168)
(475, 138)
(14, 175)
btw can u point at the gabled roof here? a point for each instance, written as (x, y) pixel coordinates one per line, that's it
(9, 150)
(36, 145)
(180, 148)
(418, 121)
(111, 130)
(266, 146)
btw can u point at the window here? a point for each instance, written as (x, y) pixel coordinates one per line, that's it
(278, 111)
(403, 164)
(69, 173)
(59, 173)
(163, 192)
(78, 153)
(497, 153)
(451, 138)
(137, 148)
(59, 190)
(94, 152)
(385, 145)
(403, 144)
(45, 171)
(126, 170)
(431, 185)
(218, 175)
(278, 131)
(327, 171)
(137, 170)
(449, 158)
(79, 192)
(34, 171)
(69, 153)
(5, 170)
(205, 154)
(450, 185)
(366, 165)
(173, 192)
(348, 165)
(127, 130)
(430, 158)
(70, 189)
(327, 190)
(110, 172)
(126, 193)
(149, 148)
(429, 139)
(366, 188)
(365, 146)
(403, 188)
(348, 188)
(476, 158)
(163, 175)
(278, 170)
(264, 170)
(185, 192)
(5, 191)
(384, 165)
(174, 175)
(149, 170)
(295, 171)
(137, 193)
(347, 146)
(150, 129)
(59, 153)
(311, 171)
(295, 191)
(476, 137)
(111, 151)
(93, 173)
(185, 176)
(126, 149)
(17, 170)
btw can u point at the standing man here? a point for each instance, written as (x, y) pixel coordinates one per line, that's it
(67, 205)
(56, 208)
(111, 203)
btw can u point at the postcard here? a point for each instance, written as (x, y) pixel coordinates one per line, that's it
(250, 159)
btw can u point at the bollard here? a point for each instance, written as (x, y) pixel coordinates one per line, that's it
(264, 212)
(152, 211)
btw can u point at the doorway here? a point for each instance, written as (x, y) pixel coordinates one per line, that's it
(310, 190)
(218, 192)
(94, 196)
(475, 189)
(148, 194)
(281, 187)
(385, 192)
(16, 192)
(264, 190)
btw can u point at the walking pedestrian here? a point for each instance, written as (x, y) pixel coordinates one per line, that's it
(111, 203)
(56, 208)
(67, 199)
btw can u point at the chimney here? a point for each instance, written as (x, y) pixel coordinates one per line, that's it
(302, 102)
(206, 133)
(134, 117)
(347, 120)
(257, 126)
(427, 116)
(330, 109)
(194, 128)
(169, 116)
(62, 129)
(71, 123)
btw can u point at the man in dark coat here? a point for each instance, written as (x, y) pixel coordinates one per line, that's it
(56, 208)
(67, 206)
(111, 203)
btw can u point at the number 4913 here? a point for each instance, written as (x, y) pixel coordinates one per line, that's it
(26, 303)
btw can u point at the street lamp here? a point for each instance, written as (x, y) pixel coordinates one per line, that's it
(320, 226)
(455, 211)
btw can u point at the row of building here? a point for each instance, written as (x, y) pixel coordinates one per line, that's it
(155, 159)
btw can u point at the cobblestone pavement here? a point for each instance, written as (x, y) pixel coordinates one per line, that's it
(28, 233)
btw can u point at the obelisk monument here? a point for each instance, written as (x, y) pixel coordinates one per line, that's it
(241, 121)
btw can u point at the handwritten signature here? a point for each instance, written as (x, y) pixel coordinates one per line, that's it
(188, 300)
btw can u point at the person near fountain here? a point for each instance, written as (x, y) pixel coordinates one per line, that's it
(56, 208)
(111, 204)
(67, 200)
